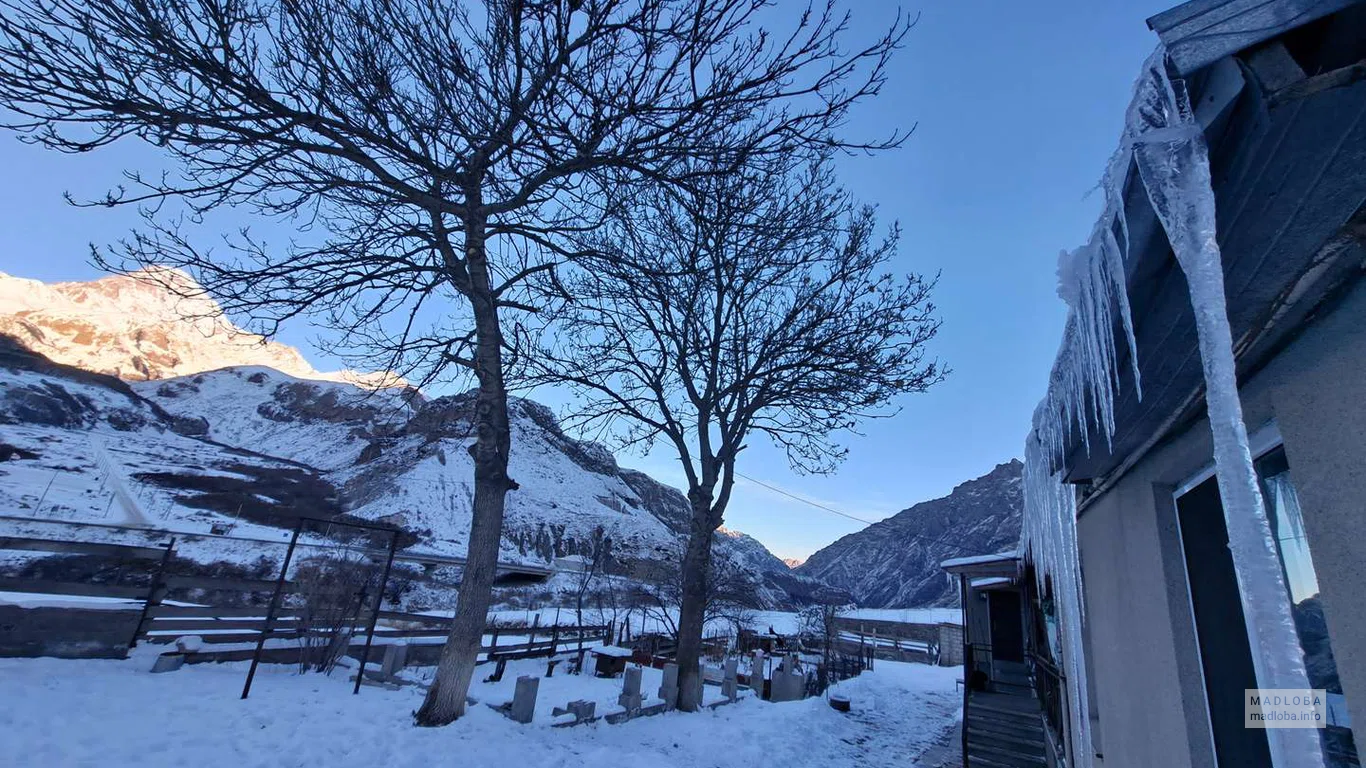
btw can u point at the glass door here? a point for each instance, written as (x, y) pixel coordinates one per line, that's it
(1225, 654)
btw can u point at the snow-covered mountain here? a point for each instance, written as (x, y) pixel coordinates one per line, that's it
(894, 563)
(253, 447)
(149, 325)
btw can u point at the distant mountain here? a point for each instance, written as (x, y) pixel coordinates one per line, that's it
(153, 324)
(793, 562)
(894, 563)
(254, 447)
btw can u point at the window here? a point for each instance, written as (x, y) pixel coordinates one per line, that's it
(1226, 658)
(1287, 526)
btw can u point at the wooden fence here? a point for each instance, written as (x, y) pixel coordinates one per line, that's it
(230, 626)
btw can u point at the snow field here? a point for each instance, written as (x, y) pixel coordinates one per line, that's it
(115, 713)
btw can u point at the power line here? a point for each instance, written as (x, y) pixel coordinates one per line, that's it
(916, 536)
(806, 501)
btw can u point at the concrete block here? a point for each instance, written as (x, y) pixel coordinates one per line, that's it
(630, 697)
(168, 662)
(524, 699)
(668, 690)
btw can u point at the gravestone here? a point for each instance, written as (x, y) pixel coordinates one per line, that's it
(756, 674)
(582, 710)
(668, 689)
(395, 659)
(730, 683)
(630, 690)
(524, 699)
(788, 683)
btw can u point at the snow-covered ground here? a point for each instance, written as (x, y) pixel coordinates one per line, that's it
(115, 713)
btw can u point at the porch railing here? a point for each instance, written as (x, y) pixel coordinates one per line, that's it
(1051, 687)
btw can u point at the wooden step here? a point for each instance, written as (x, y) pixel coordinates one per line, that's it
(995, 743)
(979, 760)
(1006, 729)
(985, 755)
(1028, 707)
(1004, 715)
(1027, 742)
(1032, 729)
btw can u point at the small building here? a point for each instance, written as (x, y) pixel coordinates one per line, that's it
(610, 660)
(1003, 708)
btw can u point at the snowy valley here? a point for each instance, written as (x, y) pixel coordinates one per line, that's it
(248, 448)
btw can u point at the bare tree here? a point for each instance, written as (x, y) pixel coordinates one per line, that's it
(595, 560)
(820, 623)
(660, 587)
(432, 154)
(755, 303)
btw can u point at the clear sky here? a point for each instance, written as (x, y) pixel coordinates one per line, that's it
(1016, 104)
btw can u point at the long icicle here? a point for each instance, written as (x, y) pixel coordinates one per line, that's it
(1173, 162)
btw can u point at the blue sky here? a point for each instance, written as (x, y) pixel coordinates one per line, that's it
(1017, 106)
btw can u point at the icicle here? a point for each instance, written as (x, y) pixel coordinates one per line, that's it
(1173, 162)
(1162, 136)
(1050, 528)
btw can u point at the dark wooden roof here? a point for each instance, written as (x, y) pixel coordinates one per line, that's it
(1290, 187)
(1201, 32)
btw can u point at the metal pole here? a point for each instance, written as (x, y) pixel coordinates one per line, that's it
(274, 607)
(967, 658)
(152, 597)
(374, 617)
(39, 506)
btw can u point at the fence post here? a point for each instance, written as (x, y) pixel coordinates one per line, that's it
(155, 593)
(374, 616)
(536, 622)
(274, 607)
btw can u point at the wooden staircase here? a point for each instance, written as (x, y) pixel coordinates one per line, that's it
(1004, 726)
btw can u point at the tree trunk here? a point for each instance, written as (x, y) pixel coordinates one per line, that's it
(446, 699)
(693, 609)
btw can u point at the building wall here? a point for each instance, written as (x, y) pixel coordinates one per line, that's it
(950, 645)
(977, 617)
(1143, 653)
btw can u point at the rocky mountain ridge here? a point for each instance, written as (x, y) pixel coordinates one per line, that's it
(894, 563)
(152, 324)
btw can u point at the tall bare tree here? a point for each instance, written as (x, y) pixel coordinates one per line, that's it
(659, 588)
(431, 153)
(755, 303)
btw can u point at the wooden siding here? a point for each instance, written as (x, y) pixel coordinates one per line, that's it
(1201, 32)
